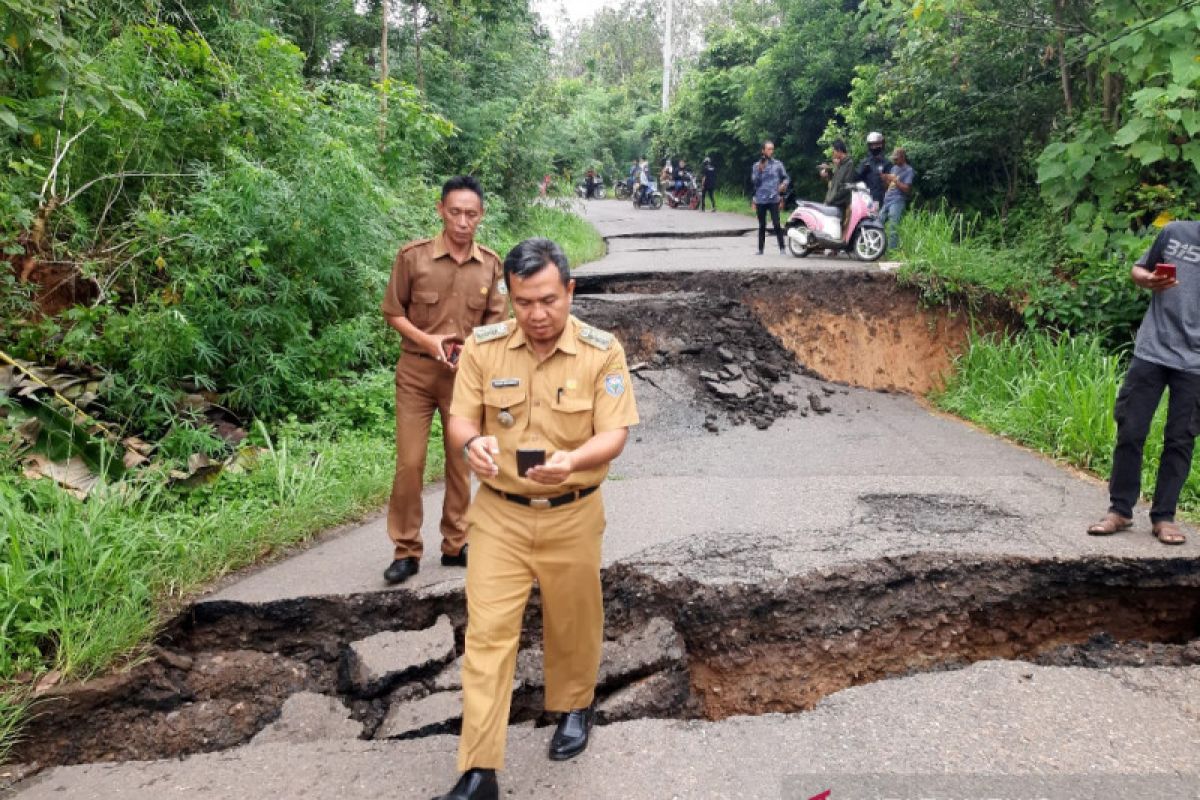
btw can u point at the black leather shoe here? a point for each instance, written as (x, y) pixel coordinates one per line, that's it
(474, 784)
(459, 560)
(402, 569)
(571, 736)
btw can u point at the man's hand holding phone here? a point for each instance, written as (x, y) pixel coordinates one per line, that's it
(556, 470)
(1163, 277)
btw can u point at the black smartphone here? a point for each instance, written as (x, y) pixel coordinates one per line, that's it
(529, 458)
(452, 349)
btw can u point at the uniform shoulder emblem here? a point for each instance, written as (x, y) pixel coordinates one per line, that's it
(597, 338)
(489, 251)
(487, 333)
(414, 243)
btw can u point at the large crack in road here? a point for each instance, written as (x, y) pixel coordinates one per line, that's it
(708, 624)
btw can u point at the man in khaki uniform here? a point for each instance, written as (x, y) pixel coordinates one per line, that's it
(440, 289)
(547, 382)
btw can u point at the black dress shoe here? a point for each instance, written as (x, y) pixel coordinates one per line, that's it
(571, 736)
(459, 560)
(402, 569)
(474, 784)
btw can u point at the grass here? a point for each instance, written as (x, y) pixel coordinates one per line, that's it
(85, 585)
(1055, 394)
(733, 201)
(578, 238)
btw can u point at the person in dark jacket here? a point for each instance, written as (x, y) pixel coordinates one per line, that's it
(842, 179)
(708, 187)
(874, 167)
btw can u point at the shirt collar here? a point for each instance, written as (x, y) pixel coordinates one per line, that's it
(440, 249)
(567, 340)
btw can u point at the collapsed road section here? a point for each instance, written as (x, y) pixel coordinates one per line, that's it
(705, 621)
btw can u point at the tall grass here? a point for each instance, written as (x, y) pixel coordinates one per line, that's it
(946, 260)
(1055, 394)
(581, 242)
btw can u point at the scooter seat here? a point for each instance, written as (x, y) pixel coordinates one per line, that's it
(829, 211)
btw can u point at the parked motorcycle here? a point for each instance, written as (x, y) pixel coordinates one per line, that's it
(598, 190)
(623, 189)
(814, 227)
(648, 196)
(686, 197)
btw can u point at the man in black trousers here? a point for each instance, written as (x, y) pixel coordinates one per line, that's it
(1165, 356)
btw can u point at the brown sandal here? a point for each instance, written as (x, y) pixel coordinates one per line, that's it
(1112, 523)
(1168, 533)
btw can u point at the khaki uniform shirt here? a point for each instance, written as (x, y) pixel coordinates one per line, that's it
(441, 296)
(581, 389)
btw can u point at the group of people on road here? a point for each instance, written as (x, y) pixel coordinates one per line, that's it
(889, 182)
(536, 407)
(677, 178)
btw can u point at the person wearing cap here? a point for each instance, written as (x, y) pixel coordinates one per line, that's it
(439, 290)
(708, 185)
(549, 383)
(874, 167)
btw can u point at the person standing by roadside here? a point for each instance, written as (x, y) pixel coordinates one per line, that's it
(841, 180)
(899, 181)
(551, 384)
(1166, 355)
(874, 167)
(770, 181)
(439, 290)
(708, 185)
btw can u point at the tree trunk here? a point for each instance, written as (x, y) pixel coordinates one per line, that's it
(416, 22)
(383, 75)
(1063, 71)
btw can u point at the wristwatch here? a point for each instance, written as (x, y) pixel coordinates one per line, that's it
(467, 446)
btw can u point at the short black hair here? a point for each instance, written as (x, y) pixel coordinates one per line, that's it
(532, 256)
(840, 146)
(768, 142)
(461, 182)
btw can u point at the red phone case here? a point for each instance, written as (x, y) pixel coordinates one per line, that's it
(1165, 269)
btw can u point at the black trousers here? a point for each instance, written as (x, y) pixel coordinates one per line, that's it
(710, 193)
(762, 224)
(1136, 403)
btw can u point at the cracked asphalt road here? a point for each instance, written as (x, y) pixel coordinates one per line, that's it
(879, 477)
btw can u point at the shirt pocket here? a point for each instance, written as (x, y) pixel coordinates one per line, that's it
(509, 399)
(422, 307)
(476, 303)
(573, 420)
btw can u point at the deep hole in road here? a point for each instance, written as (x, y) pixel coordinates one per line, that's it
(385, 664)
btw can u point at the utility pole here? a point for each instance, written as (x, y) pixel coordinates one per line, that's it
(667, 56)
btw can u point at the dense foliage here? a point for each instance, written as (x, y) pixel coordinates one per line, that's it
(1068, 131)
(203, 205)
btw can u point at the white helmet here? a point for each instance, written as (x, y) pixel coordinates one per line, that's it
(874, 137)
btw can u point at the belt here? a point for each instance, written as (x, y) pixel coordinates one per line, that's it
(545, 502)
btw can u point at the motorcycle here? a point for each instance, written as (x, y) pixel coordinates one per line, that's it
(597, 190)
(647, 196)
(686, 197)
(623, 189)
(815, 227)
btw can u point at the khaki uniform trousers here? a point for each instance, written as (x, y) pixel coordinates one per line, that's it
(511, 545)
(422, 387)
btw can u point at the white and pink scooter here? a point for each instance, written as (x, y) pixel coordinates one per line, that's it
(814, 227)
